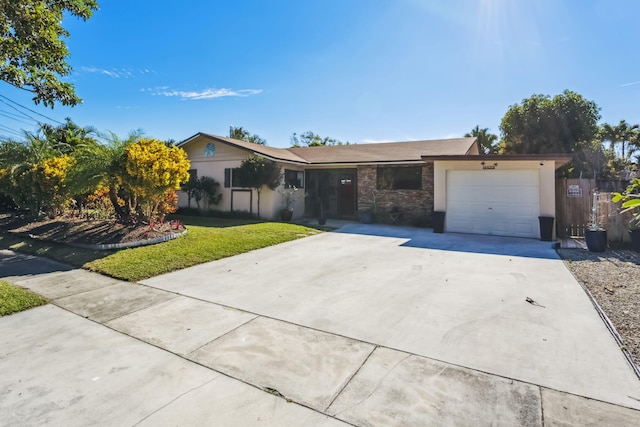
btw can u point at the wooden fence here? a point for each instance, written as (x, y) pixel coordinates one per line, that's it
(574, 202)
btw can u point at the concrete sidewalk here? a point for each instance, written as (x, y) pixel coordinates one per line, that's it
(107, 352)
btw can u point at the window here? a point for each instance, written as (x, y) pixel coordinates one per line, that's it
(232, 179)
(400, 178)
(209, 150)
(293, 178)
(193, 175)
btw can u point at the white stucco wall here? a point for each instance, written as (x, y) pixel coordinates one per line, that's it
(226, 156)
(546, 176)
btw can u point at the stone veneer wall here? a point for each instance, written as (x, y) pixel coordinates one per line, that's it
(416, 205)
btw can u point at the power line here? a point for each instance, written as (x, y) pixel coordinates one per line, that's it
(4, 128)
(21, 112)
(16, 115)
(11, 116)
(29, 109)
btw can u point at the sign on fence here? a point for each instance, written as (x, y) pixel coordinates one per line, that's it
(573, 209)
(573, 206)
(574, 191)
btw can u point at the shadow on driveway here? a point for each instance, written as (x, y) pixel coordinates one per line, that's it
(470, 243)
(14, 264)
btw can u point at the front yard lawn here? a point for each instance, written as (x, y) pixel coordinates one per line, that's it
(207, 239)
(200, 244)
(14, 299)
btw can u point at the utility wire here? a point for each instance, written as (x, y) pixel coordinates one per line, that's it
(4, 114)
(21, 112)
(21, 116)
(29, 109)
(9, 130)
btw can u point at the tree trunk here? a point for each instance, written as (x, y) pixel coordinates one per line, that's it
(113, 197)
(259, 190)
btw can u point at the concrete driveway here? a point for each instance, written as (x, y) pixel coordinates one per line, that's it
(368, 326)
(449, 297)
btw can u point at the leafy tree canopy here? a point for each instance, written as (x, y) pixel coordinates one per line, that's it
(257, 172)
(152, 170)
(203, 187)
(486, 140)
(238, 132)
(33, 51)
(541, 124)
(310, 139)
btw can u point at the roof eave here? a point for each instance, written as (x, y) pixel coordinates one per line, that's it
(559, 159)
(240, 147)
(191, 138)
(367, 163)
(275, 159)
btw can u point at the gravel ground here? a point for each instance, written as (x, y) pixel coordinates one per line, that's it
(613, 278)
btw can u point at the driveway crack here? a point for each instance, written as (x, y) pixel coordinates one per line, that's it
(177, 397)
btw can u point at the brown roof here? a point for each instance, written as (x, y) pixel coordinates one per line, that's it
(385, 152)
(264, 150)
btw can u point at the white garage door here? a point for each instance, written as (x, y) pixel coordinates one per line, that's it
(503, 203)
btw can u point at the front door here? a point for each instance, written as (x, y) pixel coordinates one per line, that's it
(346, 194)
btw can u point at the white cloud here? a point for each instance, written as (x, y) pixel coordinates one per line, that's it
(207, 93)
(630, 84)
(375, 141)
(115, 73)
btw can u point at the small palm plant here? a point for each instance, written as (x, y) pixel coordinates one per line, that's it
(631, 203)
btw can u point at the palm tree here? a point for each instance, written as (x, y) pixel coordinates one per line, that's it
(238, 132)
(68, 136)
(623, 134)
(486, 140)
(103, 164)
(17, 159)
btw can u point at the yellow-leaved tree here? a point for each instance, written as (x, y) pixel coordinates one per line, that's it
(47, 180)
(153, 170)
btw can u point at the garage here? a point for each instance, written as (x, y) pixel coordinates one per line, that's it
(494, 202)
(501, 195)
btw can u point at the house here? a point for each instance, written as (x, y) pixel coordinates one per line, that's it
(401, 182)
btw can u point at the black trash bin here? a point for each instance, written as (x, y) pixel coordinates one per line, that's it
(546, 228)
(438, 222)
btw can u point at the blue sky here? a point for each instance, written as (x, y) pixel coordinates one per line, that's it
(355, 70)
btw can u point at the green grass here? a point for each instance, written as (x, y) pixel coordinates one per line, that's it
(14, 299)
(207, 239)
(200, 244)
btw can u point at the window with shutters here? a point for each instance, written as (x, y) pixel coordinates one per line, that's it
(232, 179)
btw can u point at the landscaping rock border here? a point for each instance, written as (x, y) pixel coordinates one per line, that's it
(124, 245)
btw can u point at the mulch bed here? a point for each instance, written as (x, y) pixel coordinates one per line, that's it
(87, 232)
(613, 278)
